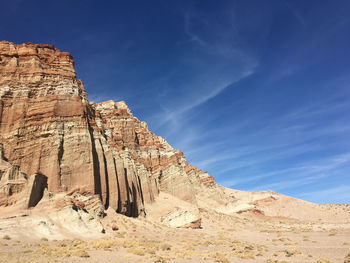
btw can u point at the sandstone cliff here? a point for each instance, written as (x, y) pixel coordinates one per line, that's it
(49, 128)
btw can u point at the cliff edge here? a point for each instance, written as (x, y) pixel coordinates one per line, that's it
(48, 127)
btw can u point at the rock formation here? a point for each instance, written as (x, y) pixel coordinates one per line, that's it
(49, 130)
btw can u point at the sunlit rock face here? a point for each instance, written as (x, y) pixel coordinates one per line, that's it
(48, 127)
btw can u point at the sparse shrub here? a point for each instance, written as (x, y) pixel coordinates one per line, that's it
(136, 251)
(323, 260)
(206, 243)
(347, 259)
(44, 239)
(76, 242)
(151, 251)
(120, 234)
(6, 237)
(275, 261)
(221, 258)
(81, 253)
(165, 246)
(249, 247)
(159, 260)
(290, 253)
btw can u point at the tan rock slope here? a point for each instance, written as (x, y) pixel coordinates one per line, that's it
(49, 128)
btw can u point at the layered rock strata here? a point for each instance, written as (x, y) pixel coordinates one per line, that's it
(48, 127)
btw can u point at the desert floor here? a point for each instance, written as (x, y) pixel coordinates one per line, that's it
(223, 238)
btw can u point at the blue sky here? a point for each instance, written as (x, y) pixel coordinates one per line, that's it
(255, 92)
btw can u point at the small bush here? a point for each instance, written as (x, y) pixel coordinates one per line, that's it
(323, 260)
(165, 247)
(221, 258)
(81, 253)
(136, 251)
(347, 259)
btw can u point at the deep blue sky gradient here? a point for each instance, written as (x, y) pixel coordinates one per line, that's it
(255, 92)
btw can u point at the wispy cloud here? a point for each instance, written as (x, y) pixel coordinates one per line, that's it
(213, 66)
(278, 186)
(212, 89)
(305, 173)
(190, 33)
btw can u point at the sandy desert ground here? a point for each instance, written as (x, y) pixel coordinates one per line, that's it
(240, 237)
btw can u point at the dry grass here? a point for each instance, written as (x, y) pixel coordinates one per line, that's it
(136, 251)
(290, 252)
(323, 260)
(221, 258)
(81, 253)
(347, 258)
(276, 261)
(142, 241)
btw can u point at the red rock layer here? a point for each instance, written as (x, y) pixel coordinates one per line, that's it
(47, 126)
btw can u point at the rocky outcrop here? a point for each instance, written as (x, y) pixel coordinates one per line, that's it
(49, 128)
(12, 180)
(182, 218)
(44, 125)
(160, 167)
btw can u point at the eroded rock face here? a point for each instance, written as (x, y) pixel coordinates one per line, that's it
(44, 124)
(12, 180)
(48, 127)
